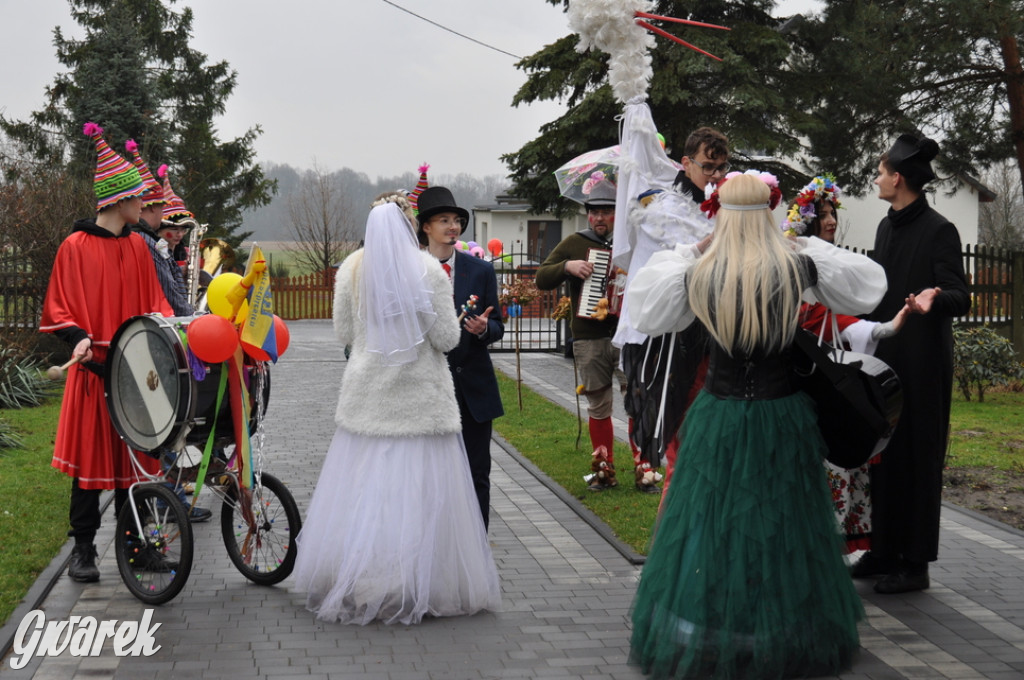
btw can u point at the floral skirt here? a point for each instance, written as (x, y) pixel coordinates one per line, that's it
(851, 499)
(745, 576)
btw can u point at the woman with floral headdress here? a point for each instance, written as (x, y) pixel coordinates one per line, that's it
(393, 531)
(739, 581)
(814, 213)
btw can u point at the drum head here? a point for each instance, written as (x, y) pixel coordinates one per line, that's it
(147, 382)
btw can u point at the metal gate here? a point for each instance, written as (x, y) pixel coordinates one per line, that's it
(529, 325)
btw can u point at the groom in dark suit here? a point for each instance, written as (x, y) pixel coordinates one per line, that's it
(441, 223)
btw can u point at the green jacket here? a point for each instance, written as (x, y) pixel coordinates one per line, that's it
(551, 274)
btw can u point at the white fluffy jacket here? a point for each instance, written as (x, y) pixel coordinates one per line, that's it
(415, 399)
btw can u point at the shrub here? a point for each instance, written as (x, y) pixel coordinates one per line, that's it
(8, 438)
(983, 358)
(21, 381)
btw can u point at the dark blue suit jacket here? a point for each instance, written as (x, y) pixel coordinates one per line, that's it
(470, 362)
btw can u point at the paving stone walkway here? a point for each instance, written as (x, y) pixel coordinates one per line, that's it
(567, 588)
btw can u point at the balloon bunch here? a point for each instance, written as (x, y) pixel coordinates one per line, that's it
(497, 251)
(214, 337)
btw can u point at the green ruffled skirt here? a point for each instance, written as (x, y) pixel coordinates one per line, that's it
(745, 577)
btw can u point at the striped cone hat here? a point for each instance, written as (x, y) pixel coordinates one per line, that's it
(154, 192)
(174, 207)
(420, 186)
(116, 179)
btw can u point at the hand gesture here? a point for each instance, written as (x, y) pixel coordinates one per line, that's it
(900, 318)
(922, 302)
(478, 324)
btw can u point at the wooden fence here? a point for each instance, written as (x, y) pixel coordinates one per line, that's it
(304, 297)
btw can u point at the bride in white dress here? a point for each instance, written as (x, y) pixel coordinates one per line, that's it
(393, 532)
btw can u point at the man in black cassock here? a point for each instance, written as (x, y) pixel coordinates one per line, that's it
(921, 253)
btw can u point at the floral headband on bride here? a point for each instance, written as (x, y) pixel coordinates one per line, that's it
(711, 205)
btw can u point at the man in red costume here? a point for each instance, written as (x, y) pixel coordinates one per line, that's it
(103, 275)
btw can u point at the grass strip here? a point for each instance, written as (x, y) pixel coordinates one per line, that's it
(33, 502)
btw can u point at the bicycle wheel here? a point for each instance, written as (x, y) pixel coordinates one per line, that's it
(153, 544)
(259, 531)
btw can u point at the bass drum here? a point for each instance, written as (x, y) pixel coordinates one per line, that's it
(151, 394)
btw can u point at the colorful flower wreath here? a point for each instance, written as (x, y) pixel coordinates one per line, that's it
(712, 205)
(804, 210)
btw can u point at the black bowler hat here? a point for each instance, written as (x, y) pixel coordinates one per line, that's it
(436, 200)
(912, 157)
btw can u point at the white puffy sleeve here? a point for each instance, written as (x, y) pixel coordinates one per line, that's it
(848, 283)
(344, 294)
(657, 295)
(444, 334)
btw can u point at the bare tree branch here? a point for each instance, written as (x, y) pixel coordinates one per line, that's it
(321, 221)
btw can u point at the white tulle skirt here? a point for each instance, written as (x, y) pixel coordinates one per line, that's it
(394, 533)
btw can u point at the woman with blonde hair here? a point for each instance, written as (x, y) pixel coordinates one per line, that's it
(745, 576)
(393, 532)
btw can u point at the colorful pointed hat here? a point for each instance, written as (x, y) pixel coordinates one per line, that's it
(154, 193)
(116, 179)
(420, 186)
(174, 207)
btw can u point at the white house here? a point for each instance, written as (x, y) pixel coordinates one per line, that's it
(509, 220)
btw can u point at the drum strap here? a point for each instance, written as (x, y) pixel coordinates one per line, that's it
(208, 451)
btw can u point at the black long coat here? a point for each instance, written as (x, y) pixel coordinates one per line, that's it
(919, 249)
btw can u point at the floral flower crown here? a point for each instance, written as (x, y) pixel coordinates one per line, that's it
(804, 210)
(712, 204)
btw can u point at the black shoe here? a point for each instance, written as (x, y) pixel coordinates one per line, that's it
(82, 568)
(604, 486)
(869, 565)
(907, 578)
(648, 488)
(152, 559)
(199, 515)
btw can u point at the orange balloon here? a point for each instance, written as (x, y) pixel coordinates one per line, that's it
(283, 335)
(212, 338)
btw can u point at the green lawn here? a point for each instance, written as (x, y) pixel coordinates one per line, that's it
(33, 502)
(988, 434)
(546, 434)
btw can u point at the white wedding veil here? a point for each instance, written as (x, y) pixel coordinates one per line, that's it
(394, 293)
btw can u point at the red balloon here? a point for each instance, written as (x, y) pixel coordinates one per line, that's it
(254, 351)
(283, 335)
(212, 338)
(495, 246)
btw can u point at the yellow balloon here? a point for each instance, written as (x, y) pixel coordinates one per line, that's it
(217, 294)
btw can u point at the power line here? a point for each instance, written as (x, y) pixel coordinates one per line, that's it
(445, 28)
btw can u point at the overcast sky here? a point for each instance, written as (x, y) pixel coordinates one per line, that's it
(373, 89)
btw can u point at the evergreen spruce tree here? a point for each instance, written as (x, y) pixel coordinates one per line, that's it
(746, 95)
(944, 68)
(134, 74)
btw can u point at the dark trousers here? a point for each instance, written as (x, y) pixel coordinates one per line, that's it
(84, 514)
(477, 438)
